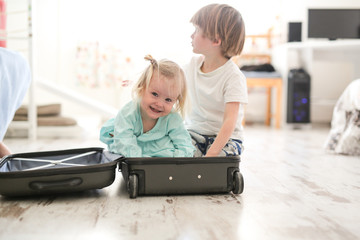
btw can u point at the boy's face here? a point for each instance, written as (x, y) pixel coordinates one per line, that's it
(200, 43)
(159, 98)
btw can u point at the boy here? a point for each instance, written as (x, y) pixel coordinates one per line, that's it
(217, 88)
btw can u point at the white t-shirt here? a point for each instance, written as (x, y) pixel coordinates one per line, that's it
(209, 92)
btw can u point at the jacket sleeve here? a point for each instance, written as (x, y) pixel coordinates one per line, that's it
(180, 137)
(107, 132)
(119, 135)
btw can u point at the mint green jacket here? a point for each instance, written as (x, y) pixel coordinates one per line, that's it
(124, 135)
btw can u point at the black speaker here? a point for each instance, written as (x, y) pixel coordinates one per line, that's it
(298, 97)
(294, 32)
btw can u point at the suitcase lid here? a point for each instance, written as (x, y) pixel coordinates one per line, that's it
(61, 161)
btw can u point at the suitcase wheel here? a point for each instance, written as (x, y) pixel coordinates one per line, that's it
(133, 184)
(238, 183)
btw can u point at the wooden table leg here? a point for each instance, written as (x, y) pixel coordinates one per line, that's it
(278, 104)
(268, 107)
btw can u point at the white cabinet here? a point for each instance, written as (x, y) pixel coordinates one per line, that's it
(332, 65)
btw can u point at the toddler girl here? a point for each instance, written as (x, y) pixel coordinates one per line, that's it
(150, 125)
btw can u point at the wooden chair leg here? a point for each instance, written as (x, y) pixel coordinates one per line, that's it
(278, 105)
(268, 106)
(269, 84)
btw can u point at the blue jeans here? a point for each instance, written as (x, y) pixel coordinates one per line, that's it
(202, 143)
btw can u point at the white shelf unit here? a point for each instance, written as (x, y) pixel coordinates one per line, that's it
(332, 65)
(15, 35)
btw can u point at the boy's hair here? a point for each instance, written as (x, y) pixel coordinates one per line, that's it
(171, 71)
(221, 21)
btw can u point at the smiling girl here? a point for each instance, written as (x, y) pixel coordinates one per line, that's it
(151, 124)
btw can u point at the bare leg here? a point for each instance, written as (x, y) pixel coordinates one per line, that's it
(4, 150)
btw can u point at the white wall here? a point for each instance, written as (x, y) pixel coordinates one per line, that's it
(158, 27)
(138, 27)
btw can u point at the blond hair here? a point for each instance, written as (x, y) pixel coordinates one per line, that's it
(221, 21)
(171, 71)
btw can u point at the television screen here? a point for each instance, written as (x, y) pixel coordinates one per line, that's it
(334, 23)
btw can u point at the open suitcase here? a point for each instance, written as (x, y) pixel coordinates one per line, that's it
(57, 171)
(93, 168)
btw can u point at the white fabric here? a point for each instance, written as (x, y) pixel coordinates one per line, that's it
(344, 136)
(209, 92)
(15, 78)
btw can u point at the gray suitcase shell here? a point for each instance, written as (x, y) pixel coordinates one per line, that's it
(159, 176)
(57, 171)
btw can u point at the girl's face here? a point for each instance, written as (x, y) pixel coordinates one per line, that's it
(159, 98)
(200, 43)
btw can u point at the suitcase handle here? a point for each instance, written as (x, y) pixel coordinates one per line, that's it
(72, 182)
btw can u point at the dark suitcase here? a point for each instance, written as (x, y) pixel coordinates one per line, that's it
(57, 171)
(73, 170)
(159, 176)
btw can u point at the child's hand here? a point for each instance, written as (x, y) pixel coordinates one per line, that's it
(211, 154)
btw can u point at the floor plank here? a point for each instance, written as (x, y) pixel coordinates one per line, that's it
(293, 190)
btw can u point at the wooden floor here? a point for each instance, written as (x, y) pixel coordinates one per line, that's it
(293, 190)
